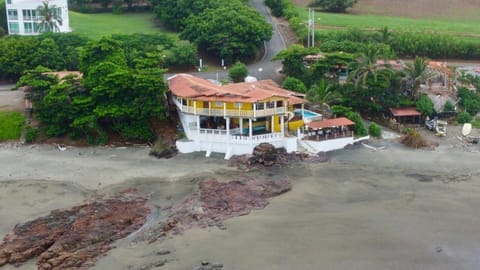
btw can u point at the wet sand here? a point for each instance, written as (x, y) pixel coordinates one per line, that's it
(391, 209)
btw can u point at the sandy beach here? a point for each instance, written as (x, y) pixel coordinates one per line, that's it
(395, 208)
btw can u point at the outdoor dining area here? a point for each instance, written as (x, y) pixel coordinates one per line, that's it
(328, 129)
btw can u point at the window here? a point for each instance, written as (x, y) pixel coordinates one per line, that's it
(259, 106)
(271, 104)
(237, 105)
(279, 103)
(12, 14)
(9, 2)
(218, 104)
(29, 14)
(28, 27)
(36, 26)
(13, 28)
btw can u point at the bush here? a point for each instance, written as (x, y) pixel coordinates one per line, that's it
(30, 134)
(464, 117)
(425, 105)
(359, 127)
(375, 130)
(448, 107)
(294, 84)
(238, 72)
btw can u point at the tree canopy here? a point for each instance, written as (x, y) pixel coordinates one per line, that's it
(233, 31)
(111, 97)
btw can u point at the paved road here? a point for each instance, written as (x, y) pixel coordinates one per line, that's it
(269, 69)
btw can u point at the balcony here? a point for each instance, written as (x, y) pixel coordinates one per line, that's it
(229, 112)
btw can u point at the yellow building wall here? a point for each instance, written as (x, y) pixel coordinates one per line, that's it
(294, 125)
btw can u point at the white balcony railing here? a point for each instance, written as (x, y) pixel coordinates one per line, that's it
(228, 112)
(221, 135)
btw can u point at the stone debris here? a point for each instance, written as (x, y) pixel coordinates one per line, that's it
(267, 155)
(74, 238)
(206, 265)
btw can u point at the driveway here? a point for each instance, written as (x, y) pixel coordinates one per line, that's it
(11, 100)
(265, 68)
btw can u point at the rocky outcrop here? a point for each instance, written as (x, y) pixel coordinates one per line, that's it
(72, 239)
(267, 155)
(216, 201)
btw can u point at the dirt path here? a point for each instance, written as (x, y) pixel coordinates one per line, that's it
(10, 100)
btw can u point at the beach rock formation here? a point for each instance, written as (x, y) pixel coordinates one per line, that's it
(267, 155)
(72, 239)
(216, 201)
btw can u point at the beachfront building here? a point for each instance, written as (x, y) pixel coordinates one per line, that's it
(234, 118)
(23, 17)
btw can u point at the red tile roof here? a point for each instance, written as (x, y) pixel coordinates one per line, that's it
(326, 123)
(188, 86)
(408, 111)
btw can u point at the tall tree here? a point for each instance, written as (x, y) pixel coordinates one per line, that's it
(416, 73)
(3, 18)
(323, 94)
(367, 69)
(50, 19)
(233, 31)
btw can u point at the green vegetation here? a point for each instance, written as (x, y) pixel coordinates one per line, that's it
(373, 22)
(333, 5)
(233, 31)
(115, 95)
(425, 105)
(464, 117)
(294, 84)
(95, 26)
(375, 130)
(11, 124)
(238, 72)
(476, 122)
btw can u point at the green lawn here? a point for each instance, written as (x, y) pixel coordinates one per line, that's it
(11, 124)
(448, 26)
(100, 24)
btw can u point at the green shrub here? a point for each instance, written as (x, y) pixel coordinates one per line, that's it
(464, 117)
(425, 105)
(294, 84)
(476, 122)
(375, 130)
(238, 72)
(30, 134)
(359, 127)
(11, 125)
(139, 130)
(448, 107)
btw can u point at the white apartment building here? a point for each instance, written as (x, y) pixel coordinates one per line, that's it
(23, 19)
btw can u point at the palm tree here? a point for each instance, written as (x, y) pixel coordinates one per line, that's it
(367, 68)
(323, 94)
(50, 19)
(417, 72)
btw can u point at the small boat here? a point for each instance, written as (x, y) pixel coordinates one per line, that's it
(466, 129)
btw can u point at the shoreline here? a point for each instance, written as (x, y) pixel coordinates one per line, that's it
(394, 208)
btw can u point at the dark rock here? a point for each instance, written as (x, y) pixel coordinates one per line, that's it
(166, 153)
(266, 155)
(215, 202)
(163, 252)
(72, 239)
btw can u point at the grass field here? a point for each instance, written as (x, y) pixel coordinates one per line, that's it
(428, 15)
(97, 25)
(10, 125)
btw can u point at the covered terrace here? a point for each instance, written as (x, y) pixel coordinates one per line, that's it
(327, 129)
